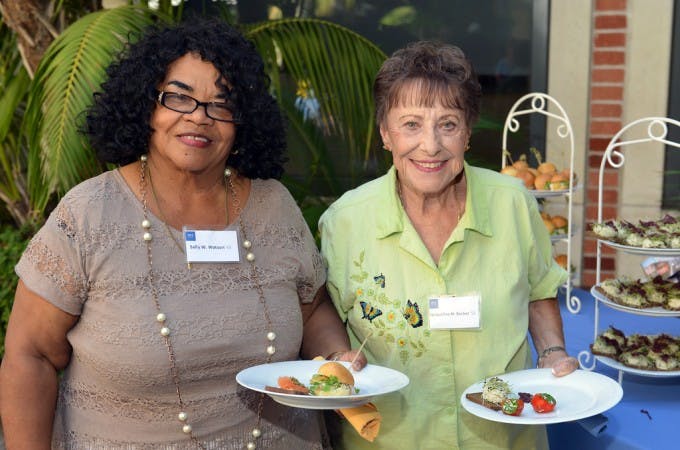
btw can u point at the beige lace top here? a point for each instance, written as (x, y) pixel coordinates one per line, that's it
(116, 393)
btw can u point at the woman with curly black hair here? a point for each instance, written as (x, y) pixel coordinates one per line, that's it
(152, 285)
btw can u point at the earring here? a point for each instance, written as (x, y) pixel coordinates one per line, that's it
(385, 147)
(235, 152)
(467, 146)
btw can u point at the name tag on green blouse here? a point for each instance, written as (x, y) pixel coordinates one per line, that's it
(450, 312)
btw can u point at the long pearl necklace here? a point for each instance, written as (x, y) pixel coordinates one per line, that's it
(162, 319)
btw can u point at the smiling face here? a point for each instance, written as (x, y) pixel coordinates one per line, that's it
(427, 143)
(192, 142)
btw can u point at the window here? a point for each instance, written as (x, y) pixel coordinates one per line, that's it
(507, 41)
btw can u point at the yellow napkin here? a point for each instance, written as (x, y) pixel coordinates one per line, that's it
(365, 419)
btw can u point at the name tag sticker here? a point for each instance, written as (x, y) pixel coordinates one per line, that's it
(450, 312)
(211, 246)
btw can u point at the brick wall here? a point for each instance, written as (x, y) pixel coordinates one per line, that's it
(605, 120)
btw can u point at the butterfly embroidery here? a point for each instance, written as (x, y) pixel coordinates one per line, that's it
(412, 314)
(369, 312)
(380, 280)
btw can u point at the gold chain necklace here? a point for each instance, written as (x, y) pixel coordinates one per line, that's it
(162, 216)
(160, 213)
(162, 319)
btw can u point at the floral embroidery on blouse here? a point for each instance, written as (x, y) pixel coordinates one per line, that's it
(412, 314)
(380, 280)
(369, 312)
(394, 321)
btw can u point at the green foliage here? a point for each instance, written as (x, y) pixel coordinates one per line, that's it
(12, 244)
(70, 71)
(14, 82)
(401, 15)
(323, 62)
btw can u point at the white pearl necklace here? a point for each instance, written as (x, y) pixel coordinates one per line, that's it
(161, 318)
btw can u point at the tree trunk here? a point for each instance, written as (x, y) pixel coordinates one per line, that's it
(30, 21)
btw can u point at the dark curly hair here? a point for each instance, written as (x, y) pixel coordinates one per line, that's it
(118, 123)
(442, 73)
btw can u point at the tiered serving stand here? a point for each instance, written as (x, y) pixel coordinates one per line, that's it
(539, 103)
(655, 129)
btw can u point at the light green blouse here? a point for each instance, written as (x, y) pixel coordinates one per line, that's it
(380, 277)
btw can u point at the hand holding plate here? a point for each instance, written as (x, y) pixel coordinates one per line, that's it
(561, 364)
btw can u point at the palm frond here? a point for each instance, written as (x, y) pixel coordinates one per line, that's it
(336, 64)
(71, 70)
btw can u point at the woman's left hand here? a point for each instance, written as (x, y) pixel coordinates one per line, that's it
(358, 358)
(560, 363)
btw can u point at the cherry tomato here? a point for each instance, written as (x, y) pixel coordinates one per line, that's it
(512, 406)
(543, 403)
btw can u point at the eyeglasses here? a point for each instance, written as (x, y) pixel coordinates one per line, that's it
(185, 104)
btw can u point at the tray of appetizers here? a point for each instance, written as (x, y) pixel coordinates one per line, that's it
(572, 397)
(614, 364)
(655, 297)
(320, 384)
(643, 250)
(645, 237)
(656, 355)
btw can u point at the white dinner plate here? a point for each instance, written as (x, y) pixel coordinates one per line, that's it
(655, 311)
(578, 395)
(614, 364)
(371, 381)
(642, 251)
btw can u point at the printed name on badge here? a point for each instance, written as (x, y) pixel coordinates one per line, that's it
(449, 312)
(211, 246)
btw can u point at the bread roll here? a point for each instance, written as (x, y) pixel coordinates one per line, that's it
(549, 225)
(562, 260)
(547, 167)
(559, 182)
(527, 177)
(521, 164)
(332, 379)
(338, 370)
(509, 170)
(559, 221)
(542, 181)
